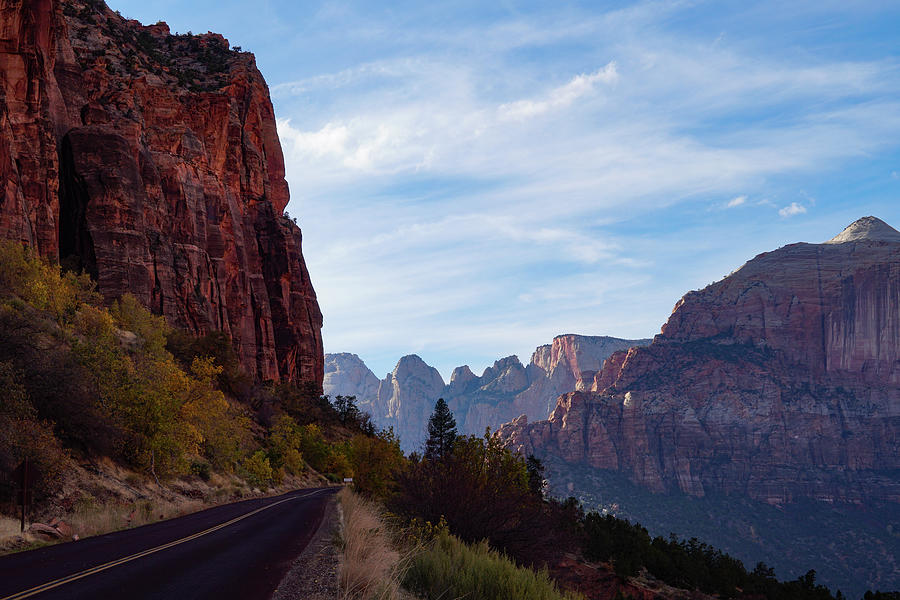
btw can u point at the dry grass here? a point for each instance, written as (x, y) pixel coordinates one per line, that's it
(89, 518)
(8, 527)
(370, 569)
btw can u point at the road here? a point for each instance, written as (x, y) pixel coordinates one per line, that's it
(239, 551)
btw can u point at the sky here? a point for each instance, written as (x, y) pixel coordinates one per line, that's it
(474, 178)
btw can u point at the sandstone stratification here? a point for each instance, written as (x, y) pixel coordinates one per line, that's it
(152, 161)
(780, 382)
(505, 390)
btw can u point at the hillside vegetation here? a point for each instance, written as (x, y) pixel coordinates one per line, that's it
(86, 381)
(480, 502)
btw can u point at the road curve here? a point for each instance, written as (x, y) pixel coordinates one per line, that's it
(237, 551)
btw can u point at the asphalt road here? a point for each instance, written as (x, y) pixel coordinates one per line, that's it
(239, 551)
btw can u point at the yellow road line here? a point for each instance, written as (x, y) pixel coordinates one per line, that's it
(75, 576)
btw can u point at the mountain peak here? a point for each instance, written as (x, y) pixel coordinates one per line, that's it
(867, 228)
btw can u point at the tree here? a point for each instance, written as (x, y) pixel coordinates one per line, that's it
(441, 432)
(535, 470)
(346, 409)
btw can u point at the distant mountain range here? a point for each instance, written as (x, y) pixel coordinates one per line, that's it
(405, 398)
(765, 418)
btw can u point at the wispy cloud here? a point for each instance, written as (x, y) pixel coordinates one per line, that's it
(492, 184)
(560, 97)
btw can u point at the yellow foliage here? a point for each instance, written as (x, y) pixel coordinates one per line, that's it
(285, 441)
(222, 430)
(41, 283)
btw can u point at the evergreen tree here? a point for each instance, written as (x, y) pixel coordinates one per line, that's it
(535, 470)
(441, 432)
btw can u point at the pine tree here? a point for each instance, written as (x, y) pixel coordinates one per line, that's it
(441, 432)
(535, 469)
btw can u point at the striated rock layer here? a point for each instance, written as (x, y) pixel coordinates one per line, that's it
(780, 382)
(152, 161)
(405, 398)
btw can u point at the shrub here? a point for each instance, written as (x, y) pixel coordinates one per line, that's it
(449, 568)
(257, 470)
(23, 436)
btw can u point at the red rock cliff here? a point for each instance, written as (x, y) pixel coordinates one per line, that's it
(780, 381)
(153, 162)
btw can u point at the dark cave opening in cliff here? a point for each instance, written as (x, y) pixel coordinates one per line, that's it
(76, 247)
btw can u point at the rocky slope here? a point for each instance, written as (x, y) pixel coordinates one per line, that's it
(152, 161)
(779, 383)
(405, 398)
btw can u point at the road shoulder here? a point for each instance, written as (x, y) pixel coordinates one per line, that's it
(314, 574)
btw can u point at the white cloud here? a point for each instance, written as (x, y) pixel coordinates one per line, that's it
(560, 97)
(792, 209)
(452, 194)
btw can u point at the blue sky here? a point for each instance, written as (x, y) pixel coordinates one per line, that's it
(474, 178)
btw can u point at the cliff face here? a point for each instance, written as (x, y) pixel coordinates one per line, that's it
(152, 161)
(347, 375)
(779, 382)
(405, 398)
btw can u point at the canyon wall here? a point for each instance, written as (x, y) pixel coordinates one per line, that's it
(152, 161)
(405, 398)
(780, 382)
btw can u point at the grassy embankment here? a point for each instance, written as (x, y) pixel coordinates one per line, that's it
(380, 563)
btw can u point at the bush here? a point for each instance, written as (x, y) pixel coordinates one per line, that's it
(23, 436)
(201, 469)
(448, 568)
(257, 470)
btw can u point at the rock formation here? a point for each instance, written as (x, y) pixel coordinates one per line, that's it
(779, 383)
(405, 399)
(347, 375)
(152, 161)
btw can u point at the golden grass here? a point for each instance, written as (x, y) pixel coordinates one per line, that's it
(370, 569)
(89, 519)
(8, 527)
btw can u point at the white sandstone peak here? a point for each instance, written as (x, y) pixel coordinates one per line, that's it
(867, 228)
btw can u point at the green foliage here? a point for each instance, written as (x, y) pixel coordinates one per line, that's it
(220, 429)
(305, 403)
(41, 284)
(535, 470)
(257, 470)
(448, 568)
(216, 345)
(688, 564)
(346, 409)
(481, 490)
(315, 449)
(285, 441)
(375, 461)
(441, 432)
(201, 469)
(104, 376)
(24, 436)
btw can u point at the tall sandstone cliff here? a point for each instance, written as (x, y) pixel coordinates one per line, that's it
(152, 161)
(405, 398)
(780, 382)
